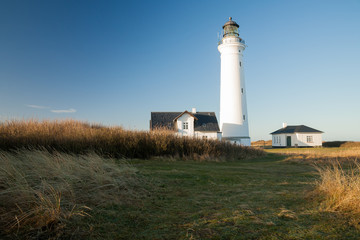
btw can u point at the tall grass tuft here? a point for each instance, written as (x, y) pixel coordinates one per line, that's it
(339, 189)
(41, 191)
(76, 137)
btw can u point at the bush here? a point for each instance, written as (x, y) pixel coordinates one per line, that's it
(333, 144)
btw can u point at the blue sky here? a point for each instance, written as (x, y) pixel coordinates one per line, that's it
(113, 62)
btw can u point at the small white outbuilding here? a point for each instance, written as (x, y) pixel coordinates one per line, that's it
(297, 136)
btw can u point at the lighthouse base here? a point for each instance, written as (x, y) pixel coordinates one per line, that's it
(243, 141)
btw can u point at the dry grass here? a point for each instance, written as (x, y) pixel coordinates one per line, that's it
(350, 145)
(262, 144)
(310, 155)
(340, 190)
(76, 137)
(40, 192)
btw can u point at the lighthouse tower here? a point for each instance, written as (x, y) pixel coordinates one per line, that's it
(233, 112)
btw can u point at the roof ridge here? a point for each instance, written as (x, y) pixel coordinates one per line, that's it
(296, 129)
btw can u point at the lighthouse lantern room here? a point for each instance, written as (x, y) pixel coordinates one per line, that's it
(233, 110)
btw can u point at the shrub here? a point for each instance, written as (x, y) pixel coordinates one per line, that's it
(333, 144)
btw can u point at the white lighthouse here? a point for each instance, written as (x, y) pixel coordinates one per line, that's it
(233, 112)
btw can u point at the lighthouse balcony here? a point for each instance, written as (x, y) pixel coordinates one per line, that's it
(231, 40)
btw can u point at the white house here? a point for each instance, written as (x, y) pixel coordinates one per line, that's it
(296, 136)
(189, 124)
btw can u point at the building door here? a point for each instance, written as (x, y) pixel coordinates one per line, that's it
(288, 141)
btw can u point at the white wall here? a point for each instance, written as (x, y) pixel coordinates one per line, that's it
(206, 135)
(179, 125)
(243, 142)
(302, 139)
(279, 140)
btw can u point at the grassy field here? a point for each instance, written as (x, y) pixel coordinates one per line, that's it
(263, 198)
(53, 187)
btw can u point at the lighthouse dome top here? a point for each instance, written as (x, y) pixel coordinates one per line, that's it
(231, 23)
(231, 29)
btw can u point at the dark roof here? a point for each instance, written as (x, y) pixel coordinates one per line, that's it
(231, 22)
(205, 122)
(163, 119)
(296, 129)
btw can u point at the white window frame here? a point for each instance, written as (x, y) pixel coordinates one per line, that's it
(185, 125)
(276, 139)
(309, 139)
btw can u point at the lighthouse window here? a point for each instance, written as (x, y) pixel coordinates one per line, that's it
(240, 64)
(185, 125)
(244, 117)
(242, 90)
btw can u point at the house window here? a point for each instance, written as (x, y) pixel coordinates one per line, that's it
(185, 125)
(277, 139)
(309, 139)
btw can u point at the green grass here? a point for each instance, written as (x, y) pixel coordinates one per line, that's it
(266, 198)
